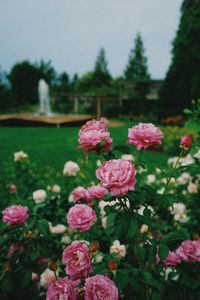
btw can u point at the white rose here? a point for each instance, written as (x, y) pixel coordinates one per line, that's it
(144, 228)
(59, 228)
(117, 249)
(151, 178)
(56, 188)
(197, 154)
(184, 178)
(127, 157)
(20, 155)
(47, 277)
(71, 168)
(66, 239)
(192, 188)
(98, 258)
(39, 196)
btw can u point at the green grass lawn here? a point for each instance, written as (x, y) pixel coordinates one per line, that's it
(54, 146)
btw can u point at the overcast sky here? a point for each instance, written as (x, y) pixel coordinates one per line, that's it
(70, 32)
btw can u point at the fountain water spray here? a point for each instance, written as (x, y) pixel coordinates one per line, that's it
(44, 98)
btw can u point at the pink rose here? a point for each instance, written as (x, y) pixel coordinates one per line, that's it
(97, 191)
(100, 287)
(189, 251)
(94, 136)
(80, 193)
(34, 277)
(15, 247)
(15, 214)
(77, 259)
(144, 136)
(62, 289)
(172, 260)
(118, 175)
(12, 187)
(47, 277)
(186, 141)
(81, 216)
(71, 168)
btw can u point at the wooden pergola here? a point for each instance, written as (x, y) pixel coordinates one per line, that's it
(98, 99)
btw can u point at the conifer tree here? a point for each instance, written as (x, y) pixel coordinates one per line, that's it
(137, 69)
(182, 83)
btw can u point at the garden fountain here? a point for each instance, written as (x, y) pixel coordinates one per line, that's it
(44, 98)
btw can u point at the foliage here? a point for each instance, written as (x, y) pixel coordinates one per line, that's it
(137, 272)
(24, 81)
(136, 69)
(182, 80)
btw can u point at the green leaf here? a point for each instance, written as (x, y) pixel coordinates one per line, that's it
(26, 278)
(132, 228)
(123, 149)
(43, 227)
(163, 251)
(34, 255)
(111, 219)
(122, 278)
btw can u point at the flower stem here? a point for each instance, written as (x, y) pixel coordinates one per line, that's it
(55, 274)
(171, 175)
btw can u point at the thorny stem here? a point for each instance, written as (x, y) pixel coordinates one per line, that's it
(171, 175)
(55, 274)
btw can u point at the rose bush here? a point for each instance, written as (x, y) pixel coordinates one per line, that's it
(131, 232)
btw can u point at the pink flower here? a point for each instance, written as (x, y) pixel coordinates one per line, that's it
(118, 175)
(47, 277)
(34, 277)
(71, 168)
(80, 193)
(14, 248)
(186, 141)
(94, 136)
(12, 187)
(172, 260)
(62, 289)
(43, 260)
(189, 251)
(100, 287)
(97, 191)
(81, 216)
(144, 136)
(77, 259)
(15, 214)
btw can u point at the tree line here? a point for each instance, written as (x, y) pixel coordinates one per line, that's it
(181, 85)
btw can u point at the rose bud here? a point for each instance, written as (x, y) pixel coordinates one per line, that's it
(52, 265)
(94, 247)
(12, 187)
(112, 265)
(186, 141)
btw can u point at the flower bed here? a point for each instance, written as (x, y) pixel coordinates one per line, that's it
(117, 232)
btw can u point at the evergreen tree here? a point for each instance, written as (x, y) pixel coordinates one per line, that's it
(136, 69)
(137, 72)
(24, 79)
(182, 82)
(101, 74)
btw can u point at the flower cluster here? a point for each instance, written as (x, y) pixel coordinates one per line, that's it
(94, 136)
(89, 194)
(188, 251)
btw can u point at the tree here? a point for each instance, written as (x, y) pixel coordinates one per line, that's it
(182, 82)
(46, 71)
(137, 72)
(136, 69)
(101, 74)
(24, 82)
